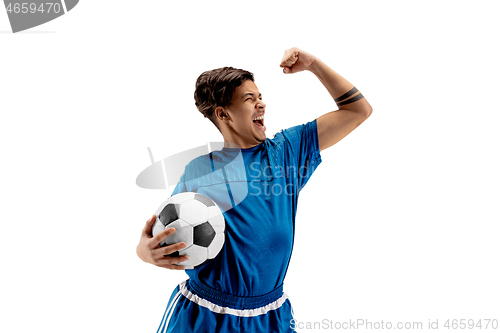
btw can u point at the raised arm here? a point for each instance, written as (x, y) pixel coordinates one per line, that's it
(353, 107)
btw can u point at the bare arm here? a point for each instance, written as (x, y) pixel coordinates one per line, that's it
(353, 110)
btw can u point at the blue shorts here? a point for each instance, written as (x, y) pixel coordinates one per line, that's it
(198, 308)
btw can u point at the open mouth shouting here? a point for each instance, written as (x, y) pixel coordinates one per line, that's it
(259, 122)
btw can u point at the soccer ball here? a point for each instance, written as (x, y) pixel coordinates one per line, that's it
(198, 222)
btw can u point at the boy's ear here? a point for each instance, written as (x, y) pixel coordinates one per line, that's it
(220, 113)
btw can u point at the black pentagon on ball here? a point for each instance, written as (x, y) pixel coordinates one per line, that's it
(204, 200)
(203, 234)
(169, 214)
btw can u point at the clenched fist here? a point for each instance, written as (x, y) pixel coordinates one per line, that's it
(296, 60)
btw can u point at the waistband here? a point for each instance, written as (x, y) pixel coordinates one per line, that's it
(236, 302)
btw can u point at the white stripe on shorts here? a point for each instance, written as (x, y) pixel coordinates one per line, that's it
(226, 310)
(170, 311)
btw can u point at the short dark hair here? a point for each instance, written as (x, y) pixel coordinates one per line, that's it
(216, 87)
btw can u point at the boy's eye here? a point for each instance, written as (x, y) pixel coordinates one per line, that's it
(248, 99)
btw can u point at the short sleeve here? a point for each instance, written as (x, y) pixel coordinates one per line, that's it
(303, 141)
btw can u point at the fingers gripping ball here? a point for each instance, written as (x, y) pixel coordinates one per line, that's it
(198, 222)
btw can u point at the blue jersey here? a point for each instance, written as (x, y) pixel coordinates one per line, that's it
(258, 196)
(260, 228)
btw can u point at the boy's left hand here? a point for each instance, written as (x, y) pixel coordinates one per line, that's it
(296, 60)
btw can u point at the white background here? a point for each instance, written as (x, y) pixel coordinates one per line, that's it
(399, 223)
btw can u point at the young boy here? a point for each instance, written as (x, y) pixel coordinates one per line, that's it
(241, 290)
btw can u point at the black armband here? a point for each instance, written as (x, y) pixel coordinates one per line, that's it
(351, 100)
(347, 94)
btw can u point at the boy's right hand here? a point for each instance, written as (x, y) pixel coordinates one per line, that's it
(150, 251)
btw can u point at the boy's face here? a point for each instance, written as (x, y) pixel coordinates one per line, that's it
(246, 105)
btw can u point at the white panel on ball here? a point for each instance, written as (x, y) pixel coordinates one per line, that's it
(183, 233)
(216, 219)
(216, 245)
(194, 212)
(197, 255)
(182, 197)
